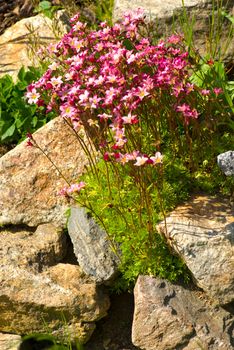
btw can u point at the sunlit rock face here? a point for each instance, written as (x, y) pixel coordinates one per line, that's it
(19, 43)
(202, 233)
(167, 15)
(30, 183)
(169, 316)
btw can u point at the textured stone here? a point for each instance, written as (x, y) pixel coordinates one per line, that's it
(32, 251)
(170, 317)
(9, 341)
(30, 183)
(166, 16)
(62, 298)
(92, 246)
(226, 162)
(15, 42)
(202, 232)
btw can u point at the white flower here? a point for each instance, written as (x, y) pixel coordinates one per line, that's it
(32, 96)
(157, 159)
(141, 160)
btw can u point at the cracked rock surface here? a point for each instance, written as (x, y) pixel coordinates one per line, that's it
(171, 317)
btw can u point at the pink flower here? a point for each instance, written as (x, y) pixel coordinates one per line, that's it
(120, 142)
(183, 108)
(142, 92)
(53, 65)
(99, 81)
(56, 82)
(68, 111)
(104, 116)
(218, 91)
(74, 188)
(205, 92)
(130, 119)
(29, 143)
(75, 18)
(79, 26)
(110, 94)
(94, 101)
(84, 97)
(188, 113)
(63, 191)
(131, 57)
(141, 160)
(123, 159)
(174, 39)
(106, 156)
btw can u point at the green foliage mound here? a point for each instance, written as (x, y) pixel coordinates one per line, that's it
(17, 117)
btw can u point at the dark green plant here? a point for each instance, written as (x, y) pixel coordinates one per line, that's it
(16, 116)
(46, 342)
(46, 8)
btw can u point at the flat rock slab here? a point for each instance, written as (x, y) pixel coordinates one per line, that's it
(61, 299)
(16, 40)
(166, 15)
(33, 251)
(9, 341)
(30, 183)
(92, 246)
(202, 232)
(170, 317)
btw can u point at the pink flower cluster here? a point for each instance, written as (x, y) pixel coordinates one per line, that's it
(105, 77)
(74, 188)
(134, 156)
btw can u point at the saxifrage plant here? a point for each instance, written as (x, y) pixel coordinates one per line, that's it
(140, 118)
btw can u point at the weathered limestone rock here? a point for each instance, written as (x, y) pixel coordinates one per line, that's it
(15, 42)
(166, 16)
(202, 232)
(30, 183)
(32, 251)
(226, 162)
(62, 298)
(9, 341)
(170, 317)
(92, 246)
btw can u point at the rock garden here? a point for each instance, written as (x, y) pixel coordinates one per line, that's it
(117, 175)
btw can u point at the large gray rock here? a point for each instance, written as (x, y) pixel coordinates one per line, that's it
(9, 341)
(170, 317)
(33, 251)
(226, 162)
(202, 233)
(16, 41)
(166, 16)
(61, 299)
(30, 183)
(92, 247)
